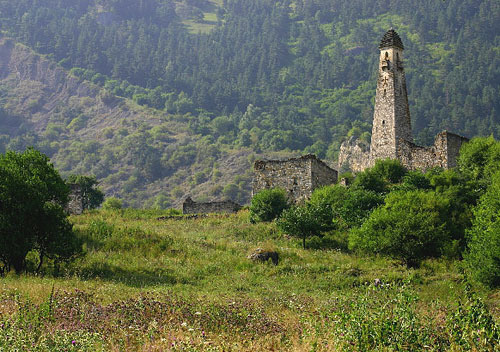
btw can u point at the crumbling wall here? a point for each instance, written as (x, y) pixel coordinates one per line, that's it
(75, 203)
(443, 153)
(297, 176)
(322, 174)
(227, 206)
(453, 144)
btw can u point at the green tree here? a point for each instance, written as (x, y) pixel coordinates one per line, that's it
(303, 221)
(32, 217)
(92, 197)
(483, 256)
(268, 204)
(410, 227)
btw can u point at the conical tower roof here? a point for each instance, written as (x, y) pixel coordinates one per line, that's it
(391, 38)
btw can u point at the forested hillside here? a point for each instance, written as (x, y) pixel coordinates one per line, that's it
(257, 75)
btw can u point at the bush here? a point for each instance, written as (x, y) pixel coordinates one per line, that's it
(410, 227)
(112, 203)
(483, 257)
(381, 176)
(349, 207)
(268, 204)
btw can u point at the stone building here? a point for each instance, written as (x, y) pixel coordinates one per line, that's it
(391, 131)
(299, 177)
(192, 207)
(75, 203)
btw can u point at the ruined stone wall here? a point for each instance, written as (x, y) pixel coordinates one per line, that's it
(297, 176)
(415, 157)
(191, 207)
(322, 174)
(75, 204)
(443, 153)
(292, 175)
(453, 143)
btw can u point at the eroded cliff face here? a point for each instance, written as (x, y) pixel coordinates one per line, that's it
(38, 89)
(86, 130)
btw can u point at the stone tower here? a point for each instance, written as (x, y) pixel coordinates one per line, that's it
(391, 118)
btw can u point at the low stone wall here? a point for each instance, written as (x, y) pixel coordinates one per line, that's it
(227, 206)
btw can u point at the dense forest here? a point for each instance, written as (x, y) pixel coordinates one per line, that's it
(265, 75)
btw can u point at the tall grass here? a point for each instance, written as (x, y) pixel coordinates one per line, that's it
(187, 285)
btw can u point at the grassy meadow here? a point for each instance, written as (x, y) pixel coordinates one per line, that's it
(177, 284)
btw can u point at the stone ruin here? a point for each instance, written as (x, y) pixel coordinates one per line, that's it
(391, 132)
(75, 203)
(299, 177)
(191, 207)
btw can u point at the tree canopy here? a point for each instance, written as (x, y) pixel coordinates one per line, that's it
(32, 215)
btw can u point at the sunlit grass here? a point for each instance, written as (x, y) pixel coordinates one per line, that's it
(187, 284)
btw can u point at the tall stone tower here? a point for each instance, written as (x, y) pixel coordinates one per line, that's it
(391, 118)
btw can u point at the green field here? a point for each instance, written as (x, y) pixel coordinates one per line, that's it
(187, 285)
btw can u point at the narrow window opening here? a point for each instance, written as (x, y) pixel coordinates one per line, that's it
(383, 122)
(385, 92)
(386, 55)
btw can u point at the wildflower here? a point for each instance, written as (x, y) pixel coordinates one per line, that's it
(73, 342)
(197, 313)
(184, 324)
(190, 329)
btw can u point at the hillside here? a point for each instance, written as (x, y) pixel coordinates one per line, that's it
(224, 80)
(86, 129)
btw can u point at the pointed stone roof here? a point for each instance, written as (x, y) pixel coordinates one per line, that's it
(391, 39)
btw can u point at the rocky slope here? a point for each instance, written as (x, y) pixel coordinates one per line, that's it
(85, 129)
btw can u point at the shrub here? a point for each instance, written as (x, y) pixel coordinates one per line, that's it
(483, 257)
(112, 203)
(381, 176)
(348, 206)
(409, 227)
(268, 204)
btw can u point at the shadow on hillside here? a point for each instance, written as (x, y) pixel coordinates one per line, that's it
(130, 277)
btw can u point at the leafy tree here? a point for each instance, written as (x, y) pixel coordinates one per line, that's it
(32, 217)
(479, 160)
(483, 256)
(92, 197)
(349, 207)
(268, 204)
(410, 227)
(379, 177)
(303, 221)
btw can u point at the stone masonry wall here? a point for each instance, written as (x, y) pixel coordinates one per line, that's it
(454, 143)
(191, 207)
(443, 153)
(75, 204)
(297, 176)
(322, 174)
